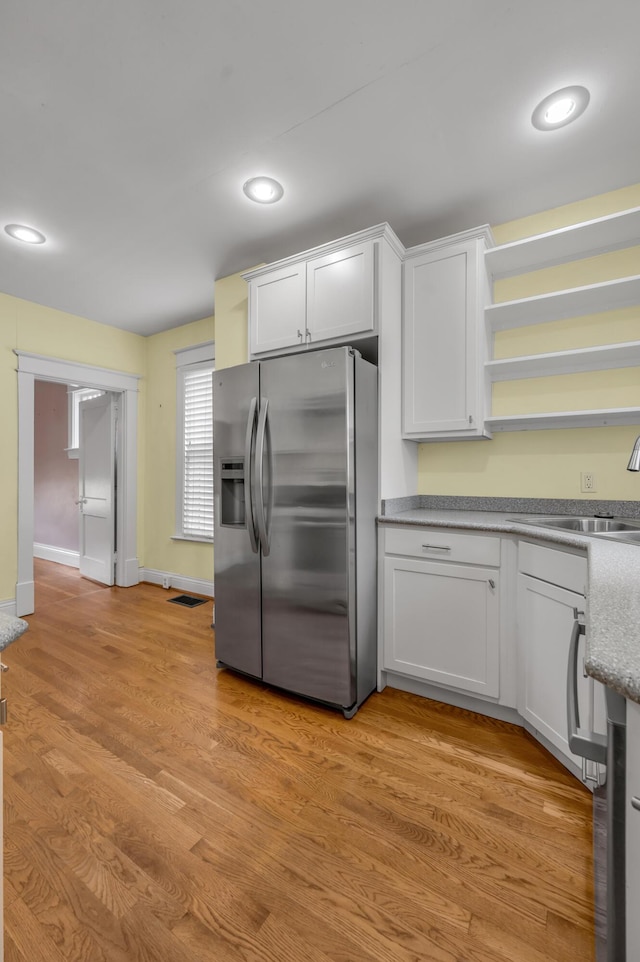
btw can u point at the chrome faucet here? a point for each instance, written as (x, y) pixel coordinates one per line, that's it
(634, 460)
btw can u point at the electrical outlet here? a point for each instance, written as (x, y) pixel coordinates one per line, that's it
(165, 581)
(587, 482)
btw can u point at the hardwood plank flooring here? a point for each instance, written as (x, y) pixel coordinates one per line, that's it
(159, 809)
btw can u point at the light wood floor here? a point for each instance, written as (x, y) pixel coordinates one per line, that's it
(159, 810)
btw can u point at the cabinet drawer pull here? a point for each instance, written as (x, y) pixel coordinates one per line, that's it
(635, 803)
(435, 547)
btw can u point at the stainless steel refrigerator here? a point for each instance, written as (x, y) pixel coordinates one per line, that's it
(295, 446)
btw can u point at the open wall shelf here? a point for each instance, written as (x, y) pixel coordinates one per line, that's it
(591, 237)
(559, 305)
(564, 419)
(603, 358)
(614, 232)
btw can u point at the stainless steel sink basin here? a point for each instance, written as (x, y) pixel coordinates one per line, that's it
(628, 537)
(625, 528)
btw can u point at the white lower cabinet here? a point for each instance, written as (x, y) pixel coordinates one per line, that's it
(546, 616)
(633, 832)
(441, 618)
(443, 622)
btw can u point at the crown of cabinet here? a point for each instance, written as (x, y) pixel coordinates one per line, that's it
(322, 296)
(602, 235)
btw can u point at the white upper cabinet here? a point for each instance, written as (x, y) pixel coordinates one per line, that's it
(277, 309)
(326, 295)
(340, 293)
(445, 289)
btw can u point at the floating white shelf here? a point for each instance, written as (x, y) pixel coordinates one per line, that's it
(565, 244)
(575, 302)
(606, 357)
(564, 419)
(601, 235)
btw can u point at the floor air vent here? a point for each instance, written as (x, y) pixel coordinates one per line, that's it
(187, 601)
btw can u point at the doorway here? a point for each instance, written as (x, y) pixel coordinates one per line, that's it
(74, 479)
(30, 368)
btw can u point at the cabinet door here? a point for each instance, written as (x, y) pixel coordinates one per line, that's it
(545, 623)
(633, 831)
(277, 312)
(441, 363)
(441, 624)
(340, 293)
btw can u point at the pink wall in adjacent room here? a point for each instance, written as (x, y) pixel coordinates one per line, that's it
(55, 474)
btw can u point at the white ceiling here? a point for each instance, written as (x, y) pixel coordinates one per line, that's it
(128, 129)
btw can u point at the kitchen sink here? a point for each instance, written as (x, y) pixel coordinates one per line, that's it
(629, 537)
(622, 529)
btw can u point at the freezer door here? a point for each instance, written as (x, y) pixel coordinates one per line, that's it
(307, 488)
(236, 558)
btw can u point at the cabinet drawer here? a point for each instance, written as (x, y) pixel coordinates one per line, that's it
(553, 565)
(442, 545)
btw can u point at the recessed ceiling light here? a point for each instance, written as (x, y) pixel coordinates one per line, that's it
(264, 190)
(560, 108)
(25, 234)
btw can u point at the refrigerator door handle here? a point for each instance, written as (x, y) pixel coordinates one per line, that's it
(261, 512)
(248, 473)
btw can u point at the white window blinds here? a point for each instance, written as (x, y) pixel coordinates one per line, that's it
(197, 511)
(194, 502)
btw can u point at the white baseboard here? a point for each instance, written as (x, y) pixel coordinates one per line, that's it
(8, 607)
(25, 598)
(182, 583)
(61, 556)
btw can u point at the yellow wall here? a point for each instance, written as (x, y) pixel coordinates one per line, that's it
(548, 464)
(190, 559)
(232, 311)
(41, 330)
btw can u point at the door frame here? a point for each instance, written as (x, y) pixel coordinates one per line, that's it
(32, 367)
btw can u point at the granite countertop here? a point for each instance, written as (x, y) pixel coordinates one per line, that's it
(10, 629)
(613, 609)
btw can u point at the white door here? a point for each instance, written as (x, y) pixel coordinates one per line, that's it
(97, 488)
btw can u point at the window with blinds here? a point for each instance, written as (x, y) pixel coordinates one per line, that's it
(197, 505)
(194, 447)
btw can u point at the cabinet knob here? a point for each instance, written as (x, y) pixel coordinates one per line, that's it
(300, 334)
(492, 583)
(635, 803)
